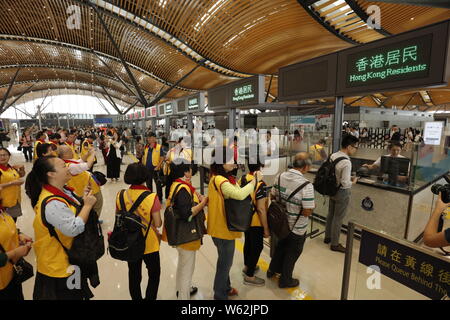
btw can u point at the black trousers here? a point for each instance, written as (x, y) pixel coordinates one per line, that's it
(28, 153)
(252, 248)
(13, 292)
(151, 177)
(286, 255)
(152, 263)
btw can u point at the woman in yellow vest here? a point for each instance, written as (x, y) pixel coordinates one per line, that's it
(259, 228)
(188, 203)
(88, 144)
(178, 152)
(14, 245)
(49, 177)
(10, 182)
(136, 176)
(40, 139)
(223, 186)
(317, 152)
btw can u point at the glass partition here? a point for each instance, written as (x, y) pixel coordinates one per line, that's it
(430, 163)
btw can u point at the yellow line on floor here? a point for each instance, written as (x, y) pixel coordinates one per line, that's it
(296, 293)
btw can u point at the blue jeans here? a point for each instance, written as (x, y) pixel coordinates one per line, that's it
(222, 284)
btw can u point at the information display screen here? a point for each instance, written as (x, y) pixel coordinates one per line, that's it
(161, 110)
(193, 103)
(309, 79)
(217, 97)
(169, 108)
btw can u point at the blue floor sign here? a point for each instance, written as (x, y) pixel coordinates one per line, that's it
(416, 270)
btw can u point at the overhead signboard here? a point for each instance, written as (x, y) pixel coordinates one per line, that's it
(169, 109)
(153, 112)
(245, 92)
(409, 60)
(310, 79)
(181, 105)
(433, 133)
(104, 120)
(143, 113)
(136, 115)
(161, 110)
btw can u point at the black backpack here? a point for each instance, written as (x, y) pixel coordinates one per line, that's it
(325, 182)
(277, 217)
(126, 242)
(88, 246)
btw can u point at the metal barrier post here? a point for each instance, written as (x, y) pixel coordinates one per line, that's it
(348, 261)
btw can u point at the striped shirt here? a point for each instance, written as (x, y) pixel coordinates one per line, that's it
(304, 199)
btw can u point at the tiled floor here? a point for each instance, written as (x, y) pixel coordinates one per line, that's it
(319, 269)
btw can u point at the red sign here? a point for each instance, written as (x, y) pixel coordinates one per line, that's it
(143, 114)
(153, 112)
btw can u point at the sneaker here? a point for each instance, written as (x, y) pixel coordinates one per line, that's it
(244, 270)
(291, 284)
(271, 274)
(327, 240)
(338, 248)
(254, 281)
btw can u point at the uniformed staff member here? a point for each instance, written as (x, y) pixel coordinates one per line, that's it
(136, 175)
(10, 182)
(49, 177)
(153, 158)
(13, 246)
(394, 151)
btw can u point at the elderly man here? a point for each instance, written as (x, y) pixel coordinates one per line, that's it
(81, 177)
(298, 209)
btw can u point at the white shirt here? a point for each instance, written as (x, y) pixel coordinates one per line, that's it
(378, 162)
(116, 146)
(77, 168)
(343, 170)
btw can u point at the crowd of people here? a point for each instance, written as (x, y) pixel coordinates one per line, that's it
(65, 191)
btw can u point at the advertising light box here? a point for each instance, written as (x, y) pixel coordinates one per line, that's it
(310, 79)
(410, 60)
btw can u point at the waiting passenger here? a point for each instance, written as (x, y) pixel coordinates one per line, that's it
(299, 208)
(10, 184)
(13, 246)
(223, 186)
(49, 177)
(340, 201)
(136, 175)
(259, 228)
(188, 204)
(40, 139)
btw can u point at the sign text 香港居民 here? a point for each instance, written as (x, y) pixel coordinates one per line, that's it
(243, 93)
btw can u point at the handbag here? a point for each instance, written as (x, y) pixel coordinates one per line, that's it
(23, 270)
(179, 230)
(238, 213)
(19, 148)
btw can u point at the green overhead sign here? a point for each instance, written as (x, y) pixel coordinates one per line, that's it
(401, 61)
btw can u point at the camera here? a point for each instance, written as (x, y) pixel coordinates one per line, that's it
(443, 189)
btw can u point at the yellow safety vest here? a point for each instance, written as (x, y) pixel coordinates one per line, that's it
(216, 222)
(10, 196)
(156, 155)
(9, 239)
(144, 210)
(52, 260)
(256, 222)
(185, 154)
(80, 181)
(190, 246)
(85, 146)
(76, 156)
(36, 144)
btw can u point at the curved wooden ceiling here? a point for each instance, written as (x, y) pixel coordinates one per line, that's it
(163, 40)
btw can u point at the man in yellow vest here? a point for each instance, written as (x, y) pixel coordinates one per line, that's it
(153, 158)
(317, 152)
(81, 177)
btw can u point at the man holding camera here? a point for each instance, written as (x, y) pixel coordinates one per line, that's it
(432, 237)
